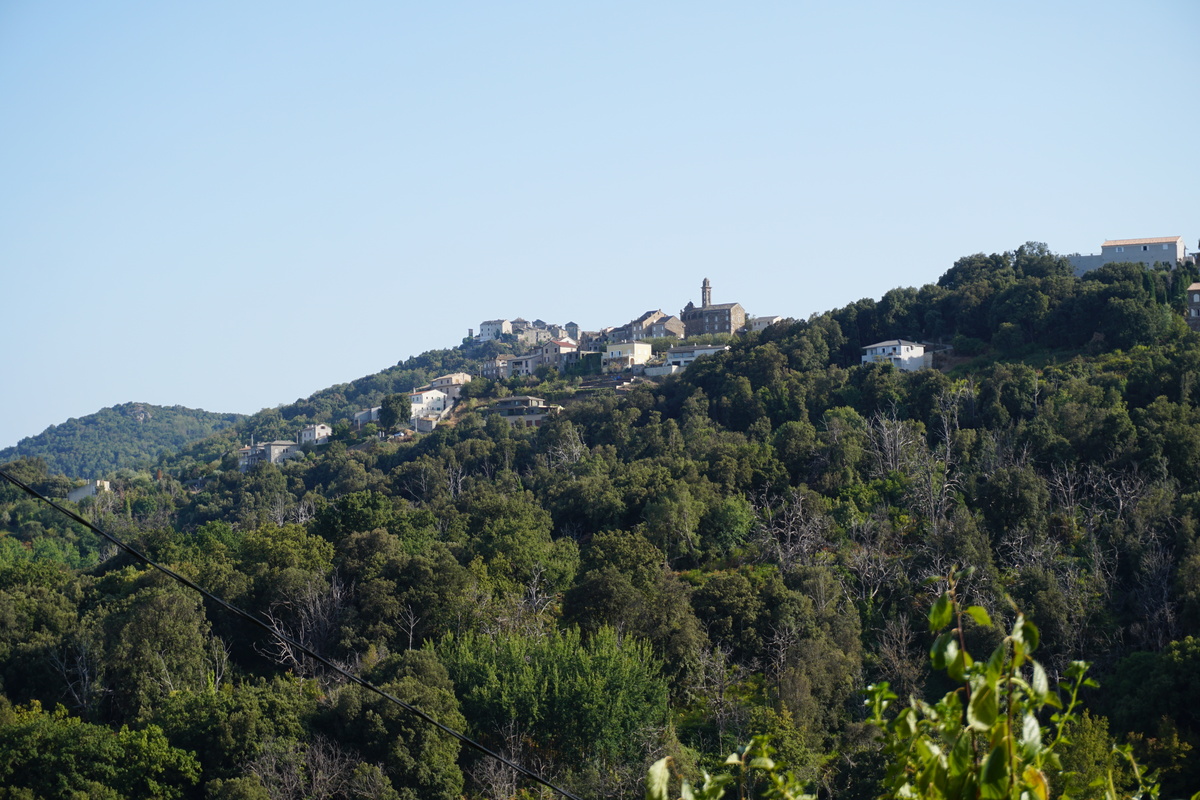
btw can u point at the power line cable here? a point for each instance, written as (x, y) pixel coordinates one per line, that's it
(247, 616)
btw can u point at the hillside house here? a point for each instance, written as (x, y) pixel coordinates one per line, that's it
(497, 368)
(427, 402)
(524, 411)
(558, 353)
(315, 434)
(682, 357)
(365, 416)
(524, 365)
(651, 325)
(1193, 306)
(900, 353)
(1163, 249)
(625, 355)
(759, 324)
(450, 384)
(494, 328)
(667, 326)
(269, 452)
(534, 336)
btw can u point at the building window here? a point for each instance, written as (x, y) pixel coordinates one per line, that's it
(1166, 247)
(1145, 247)
(1120, 249)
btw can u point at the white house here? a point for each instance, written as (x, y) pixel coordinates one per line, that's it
(315, 434)
(756, 324)
(494, 328)
(901, 353)
(427, 402)
(682, 357)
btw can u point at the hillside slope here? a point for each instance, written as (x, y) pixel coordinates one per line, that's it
(125, 435)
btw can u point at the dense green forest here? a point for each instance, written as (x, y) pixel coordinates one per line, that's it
(130, 435)
(739, 550)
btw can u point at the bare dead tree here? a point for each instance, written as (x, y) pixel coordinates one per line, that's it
(409, 622)
(1158, 623)
(779, 654)
(75, 663)
(1124, 489)
(900, 660)
(891, 443)
(456, 475)
(304, 511)
(568, 449)
(311, 618)
(218, 655)
(792, 533)
(932, 487)
(716, 676)
(495, 779)
(1022, 547)
(525, 613)
(280, 510)
(874, 560)
(319, 770)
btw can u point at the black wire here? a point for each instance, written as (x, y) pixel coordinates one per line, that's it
(133, 551)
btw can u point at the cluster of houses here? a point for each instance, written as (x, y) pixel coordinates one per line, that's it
(622, 348)
(626, 348)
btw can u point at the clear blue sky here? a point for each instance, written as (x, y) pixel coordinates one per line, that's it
(230, 205)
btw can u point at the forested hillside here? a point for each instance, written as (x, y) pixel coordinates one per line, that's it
(739, 550)
(128, 435)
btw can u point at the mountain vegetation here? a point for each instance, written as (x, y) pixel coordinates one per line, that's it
(130, 435)
(738, 551)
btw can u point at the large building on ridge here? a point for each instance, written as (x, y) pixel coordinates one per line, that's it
(710, 317)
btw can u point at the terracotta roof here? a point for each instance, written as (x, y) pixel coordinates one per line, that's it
(1155, 240)
(1193, 287)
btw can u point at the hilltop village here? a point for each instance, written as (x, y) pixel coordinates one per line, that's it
(650, 347)
(614, 356)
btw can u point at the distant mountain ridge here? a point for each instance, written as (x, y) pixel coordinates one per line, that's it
(126, 435)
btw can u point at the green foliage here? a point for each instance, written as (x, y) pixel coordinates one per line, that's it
(420, 761)
(603, 696)
(52, 754)
(753, 773)
(985, 738)
(128, 435)
(395, 411)
(747, 539)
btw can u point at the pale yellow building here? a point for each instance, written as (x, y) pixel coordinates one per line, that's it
(623, 355)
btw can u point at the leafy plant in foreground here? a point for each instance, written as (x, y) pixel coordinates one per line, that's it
(984, 740)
